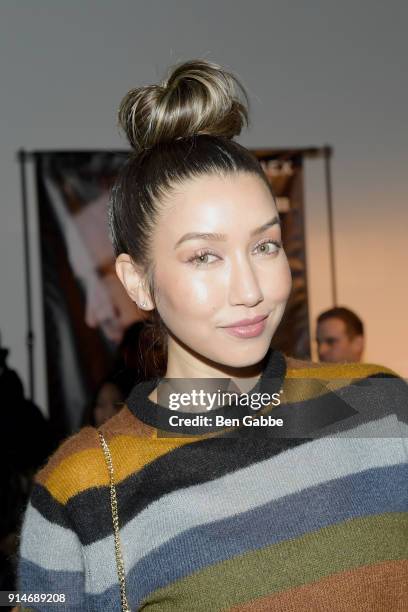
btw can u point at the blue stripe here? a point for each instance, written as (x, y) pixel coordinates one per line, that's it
(32, 578)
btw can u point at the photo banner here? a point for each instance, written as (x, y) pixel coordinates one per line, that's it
(86, 309)
(285, 171)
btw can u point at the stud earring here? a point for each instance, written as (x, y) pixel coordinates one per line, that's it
(142, 304)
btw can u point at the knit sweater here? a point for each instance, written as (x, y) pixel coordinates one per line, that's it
(233, 522)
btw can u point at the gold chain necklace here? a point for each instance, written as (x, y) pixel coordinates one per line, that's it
(115, 519)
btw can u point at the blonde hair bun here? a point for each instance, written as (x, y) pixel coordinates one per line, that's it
(198, 97)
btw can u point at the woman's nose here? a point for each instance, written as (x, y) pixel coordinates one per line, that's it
(244, 283)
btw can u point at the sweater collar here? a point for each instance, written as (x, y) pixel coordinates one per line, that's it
(156, 415)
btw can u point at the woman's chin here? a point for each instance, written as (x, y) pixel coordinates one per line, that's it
(241, 357)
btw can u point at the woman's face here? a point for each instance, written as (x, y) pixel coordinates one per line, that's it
(206, 283)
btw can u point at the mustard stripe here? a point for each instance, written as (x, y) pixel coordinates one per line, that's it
(87, 468)
(336, 370)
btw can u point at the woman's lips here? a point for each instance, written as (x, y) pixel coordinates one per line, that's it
(247, 331)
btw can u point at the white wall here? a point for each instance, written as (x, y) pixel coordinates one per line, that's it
(317, 72)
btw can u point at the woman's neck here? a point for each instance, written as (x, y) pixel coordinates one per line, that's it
(183, 363)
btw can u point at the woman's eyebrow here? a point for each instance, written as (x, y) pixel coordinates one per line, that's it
(223, 237)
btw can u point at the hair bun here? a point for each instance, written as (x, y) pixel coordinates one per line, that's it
(199, 97)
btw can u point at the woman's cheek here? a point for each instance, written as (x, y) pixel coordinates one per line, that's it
(186, 293)
(280, 281)
(201, 291)
(286, 279)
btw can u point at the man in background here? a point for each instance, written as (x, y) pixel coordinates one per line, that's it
(339, 336)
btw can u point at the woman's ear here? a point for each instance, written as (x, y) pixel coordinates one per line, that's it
(132, 280)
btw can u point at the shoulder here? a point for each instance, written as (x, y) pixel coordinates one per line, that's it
(300, 368)
(72, 466)
(79, 463)
(372, 387)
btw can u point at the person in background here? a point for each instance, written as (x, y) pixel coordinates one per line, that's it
(128, 368)
(109, 398)
(23, 450)
(339, 336)
(109, 401)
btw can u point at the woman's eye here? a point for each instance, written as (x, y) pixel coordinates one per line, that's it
(201, 259)
(268, 247)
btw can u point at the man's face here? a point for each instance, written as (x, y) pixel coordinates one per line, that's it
(334, 345)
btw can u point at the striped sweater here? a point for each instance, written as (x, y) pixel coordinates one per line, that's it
(239, 523)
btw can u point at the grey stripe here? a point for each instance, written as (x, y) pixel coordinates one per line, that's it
(49, 545)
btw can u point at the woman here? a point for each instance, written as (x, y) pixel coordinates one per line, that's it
(148, 511)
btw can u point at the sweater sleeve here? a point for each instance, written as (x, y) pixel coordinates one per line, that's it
(50, 561)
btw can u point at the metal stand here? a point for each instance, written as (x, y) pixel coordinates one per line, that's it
(327, 151)
(22, 157)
